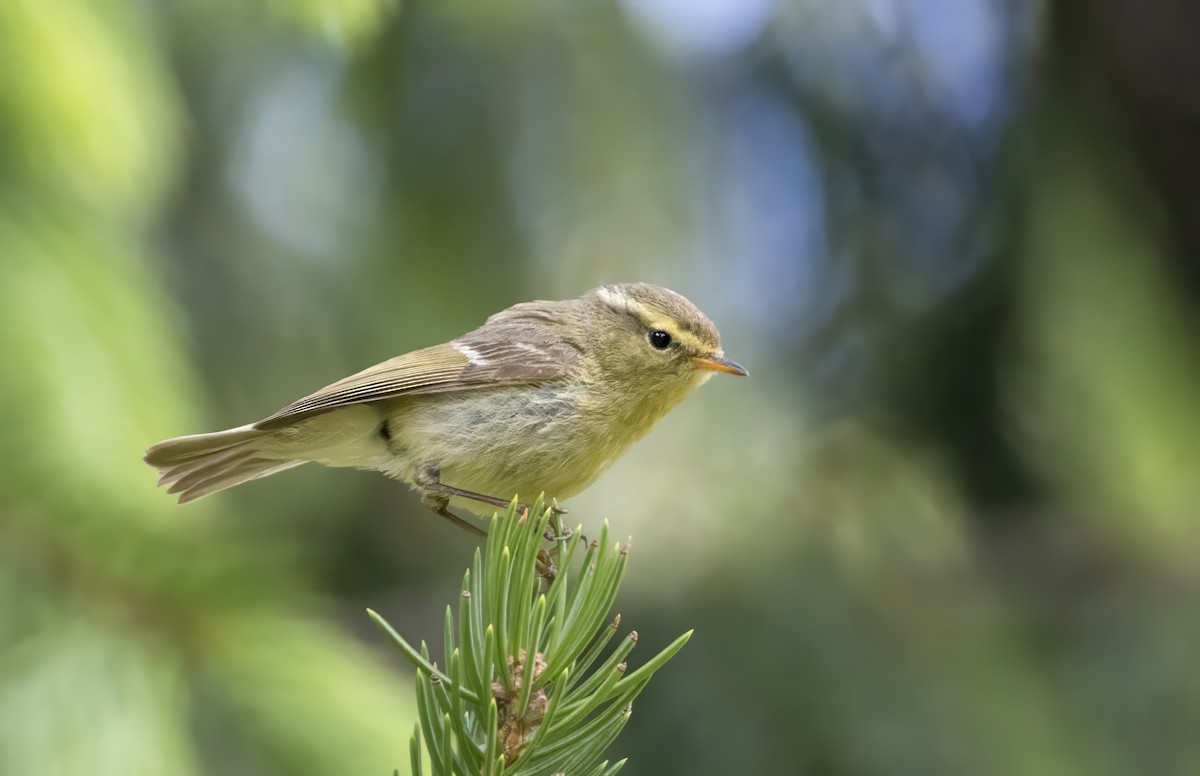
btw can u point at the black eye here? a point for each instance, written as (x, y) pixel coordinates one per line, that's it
(660, 339)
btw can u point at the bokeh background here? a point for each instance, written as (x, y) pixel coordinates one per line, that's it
(948, 526)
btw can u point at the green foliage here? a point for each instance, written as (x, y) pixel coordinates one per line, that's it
(136, 637)
(344, 21)
(519, 616)
(208, 208)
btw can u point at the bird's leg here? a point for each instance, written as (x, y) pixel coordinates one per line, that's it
(428, 479)
(440, 502)
(440, 505)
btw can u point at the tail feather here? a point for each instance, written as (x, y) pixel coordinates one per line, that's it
(196, 471)
(173, 473)
(186, 448)
(249, 470)
(201, 464)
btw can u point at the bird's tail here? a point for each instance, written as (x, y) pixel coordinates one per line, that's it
(201, 464)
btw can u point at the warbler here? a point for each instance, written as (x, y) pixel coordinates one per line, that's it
(542, 398)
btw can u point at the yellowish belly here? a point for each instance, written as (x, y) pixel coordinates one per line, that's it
(520, 441)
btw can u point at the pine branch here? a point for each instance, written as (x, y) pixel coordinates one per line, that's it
(522, 689)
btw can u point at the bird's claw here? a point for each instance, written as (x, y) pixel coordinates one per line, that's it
(545, 566)
(553, 536)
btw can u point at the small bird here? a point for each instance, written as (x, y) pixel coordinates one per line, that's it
(542, 398)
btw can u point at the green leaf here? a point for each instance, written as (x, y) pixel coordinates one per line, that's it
(520, 695)
(416, 658)
(644, 673)
(414, 751)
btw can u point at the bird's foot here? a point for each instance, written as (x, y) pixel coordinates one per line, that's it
(545, 565)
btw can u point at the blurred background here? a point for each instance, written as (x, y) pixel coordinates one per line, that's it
(948, 526)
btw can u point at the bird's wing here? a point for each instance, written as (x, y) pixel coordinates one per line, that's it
(522, 353)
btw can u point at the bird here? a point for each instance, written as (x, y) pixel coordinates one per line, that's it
(542, 398)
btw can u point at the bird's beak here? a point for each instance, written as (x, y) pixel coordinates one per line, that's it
(717, 363)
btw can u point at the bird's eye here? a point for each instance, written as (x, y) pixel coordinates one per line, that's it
(659, 339)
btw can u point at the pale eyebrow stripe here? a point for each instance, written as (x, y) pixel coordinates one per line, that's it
(614, 299)
(622, 303)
